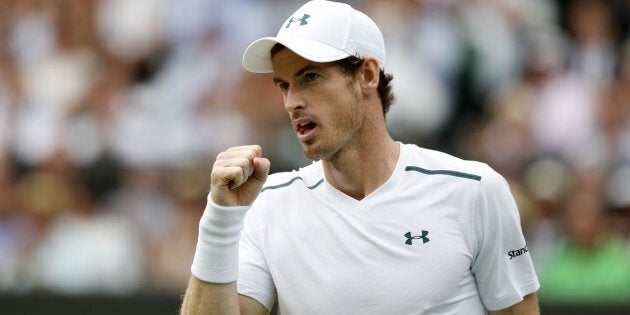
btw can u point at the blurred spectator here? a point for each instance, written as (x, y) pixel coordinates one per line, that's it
(546, 180)
(592, 265)
(88, 251)
(596, 32)
(77, 249)
(170, 255)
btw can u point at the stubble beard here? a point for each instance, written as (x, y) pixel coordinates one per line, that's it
(348, 125)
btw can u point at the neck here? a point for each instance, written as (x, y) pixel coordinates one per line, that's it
(360, 170)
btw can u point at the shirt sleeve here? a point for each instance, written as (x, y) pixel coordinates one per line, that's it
(254, 279)
(502, 264)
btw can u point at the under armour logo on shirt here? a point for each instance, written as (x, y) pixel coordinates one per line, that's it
(302, 20)
(422, 237)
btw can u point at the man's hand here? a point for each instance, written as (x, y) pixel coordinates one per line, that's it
(238, 175)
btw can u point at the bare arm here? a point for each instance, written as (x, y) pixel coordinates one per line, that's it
(216, 298)
(236, 180)
(528, 306)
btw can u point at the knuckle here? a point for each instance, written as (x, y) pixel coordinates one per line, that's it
(221, 155)
(251, 155)
(218, 164)
(254, 153)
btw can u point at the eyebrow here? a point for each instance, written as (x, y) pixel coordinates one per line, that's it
(298, 73)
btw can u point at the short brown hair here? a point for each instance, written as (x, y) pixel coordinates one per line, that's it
(350, 66)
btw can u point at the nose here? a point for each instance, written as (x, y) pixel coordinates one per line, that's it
(293, 99)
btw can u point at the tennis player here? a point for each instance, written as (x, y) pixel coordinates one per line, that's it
(372, 226)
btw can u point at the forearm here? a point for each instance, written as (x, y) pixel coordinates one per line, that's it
(236, 180)
(211, 288)
(210, 298)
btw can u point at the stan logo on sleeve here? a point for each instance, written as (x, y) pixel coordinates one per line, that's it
(518, 252)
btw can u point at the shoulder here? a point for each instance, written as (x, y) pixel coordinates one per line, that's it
(309, 177)
(432, 162)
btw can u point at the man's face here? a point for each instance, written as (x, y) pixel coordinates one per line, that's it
(324, 104)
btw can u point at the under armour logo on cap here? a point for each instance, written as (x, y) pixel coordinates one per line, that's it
(302, 20)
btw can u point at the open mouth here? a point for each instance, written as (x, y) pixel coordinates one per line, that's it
(303, 129)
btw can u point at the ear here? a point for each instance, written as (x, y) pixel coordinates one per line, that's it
(370, 73)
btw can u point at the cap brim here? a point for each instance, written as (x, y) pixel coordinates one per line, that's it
(257, 56)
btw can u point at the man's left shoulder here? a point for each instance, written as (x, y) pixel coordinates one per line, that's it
(429, 160)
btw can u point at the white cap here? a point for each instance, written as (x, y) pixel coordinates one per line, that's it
(320, 31)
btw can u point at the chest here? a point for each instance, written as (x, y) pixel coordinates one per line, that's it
(404, 250)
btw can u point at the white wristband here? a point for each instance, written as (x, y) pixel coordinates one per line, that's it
(216, 256)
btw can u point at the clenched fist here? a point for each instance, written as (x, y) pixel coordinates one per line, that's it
(238, 175)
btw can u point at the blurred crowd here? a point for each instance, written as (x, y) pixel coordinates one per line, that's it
(112, 111)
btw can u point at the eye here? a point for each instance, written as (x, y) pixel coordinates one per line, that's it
(283, 86)
(311, 76)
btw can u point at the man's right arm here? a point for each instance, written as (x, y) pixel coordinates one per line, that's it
(218, 298)
(237, 177)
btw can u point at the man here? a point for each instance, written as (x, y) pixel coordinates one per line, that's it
(373, 226)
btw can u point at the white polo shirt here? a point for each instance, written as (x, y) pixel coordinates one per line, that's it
(441, 236)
